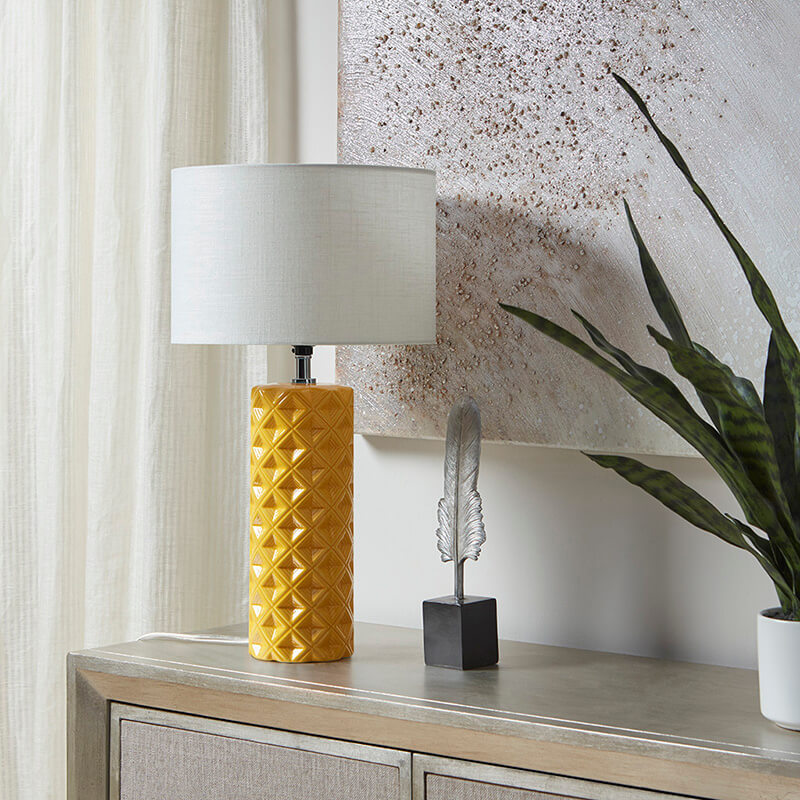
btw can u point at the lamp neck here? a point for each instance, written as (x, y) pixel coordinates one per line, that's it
(302, 363)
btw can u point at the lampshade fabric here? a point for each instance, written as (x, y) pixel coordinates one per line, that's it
(303, 254)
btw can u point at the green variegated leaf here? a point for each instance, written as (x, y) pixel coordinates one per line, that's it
(664, 302)
(676, 496)
(600, 341)
(742, 423)
(562, 335)
(660, 295)
(695, 509)
(772, 559)
(648, 374)
(668, 145)
(713, 376)
(779, 413)
(743, 387)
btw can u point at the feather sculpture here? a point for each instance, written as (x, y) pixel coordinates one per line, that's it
(461, 534)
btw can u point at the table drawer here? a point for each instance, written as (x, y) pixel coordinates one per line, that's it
(157, 755)
(449, 779)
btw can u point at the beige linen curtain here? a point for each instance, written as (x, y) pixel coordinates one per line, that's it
(123, 477)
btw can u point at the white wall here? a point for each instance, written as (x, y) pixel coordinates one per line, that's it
(574, 555)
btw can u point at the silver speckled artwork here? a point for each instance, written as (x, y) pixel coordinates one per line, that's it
(534, 146)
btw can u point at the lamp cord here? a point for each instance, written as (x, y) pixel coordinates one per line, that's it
(209, 638)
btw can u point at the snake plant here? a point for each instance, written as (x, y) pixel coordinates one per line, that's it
(753, 443)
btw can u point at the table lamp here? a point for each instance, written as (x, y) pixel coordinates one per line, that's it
(302, 254)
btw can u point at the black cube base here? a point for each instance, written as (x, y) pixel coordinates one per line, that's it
(460, 635)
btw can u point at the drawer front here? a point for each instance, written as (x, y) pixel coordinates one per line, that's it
(442, 787)
(158, 755)
(448, 779)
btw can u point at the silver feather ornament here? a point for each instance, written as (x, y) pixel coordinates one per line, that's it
(461, 533)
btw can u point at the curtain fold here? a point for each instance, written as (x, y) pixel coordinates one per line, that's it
(123, 475)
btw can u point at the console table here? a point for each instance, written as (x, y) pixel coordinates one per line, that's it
(196, 721)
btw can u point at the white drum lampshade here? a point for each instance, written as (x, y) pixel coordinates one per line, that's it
(303, 254)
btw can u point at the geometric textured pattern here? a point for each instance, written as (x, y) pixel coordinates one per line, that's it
(301, 523)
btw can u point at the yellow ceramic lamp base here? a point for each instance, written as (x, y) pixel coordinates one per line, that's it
(301, 523)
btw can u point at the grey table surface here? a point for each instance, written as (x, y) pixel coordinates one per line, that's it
(649, 706)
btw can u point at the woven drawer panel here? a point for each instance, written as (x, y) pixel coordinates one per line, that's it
(441, 787)
(158, 762)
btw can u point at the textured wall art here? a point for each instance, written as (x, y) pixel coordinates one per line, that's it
(535, 146)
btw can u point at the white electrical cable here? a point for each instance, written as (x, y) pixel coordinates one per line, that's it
(209, 638)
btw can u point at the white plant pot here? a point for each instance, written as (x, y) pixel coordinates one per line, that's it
(779, 669)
